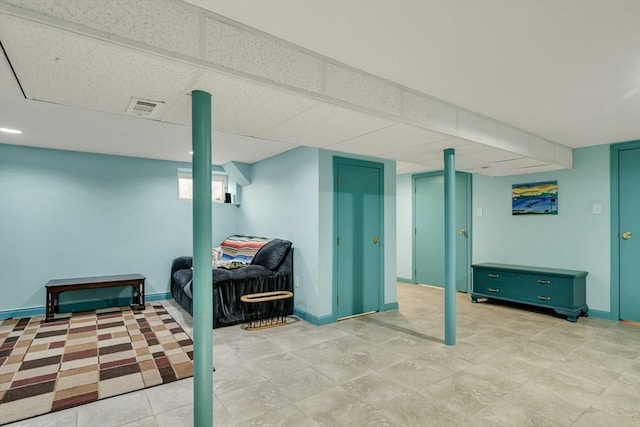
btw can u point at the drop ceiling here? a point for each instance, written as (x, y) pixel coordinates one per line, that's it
(503, 83)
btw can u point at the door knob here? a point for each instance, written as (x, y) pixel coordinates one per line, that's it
(376, 240)
(627, 235)
(463, 232)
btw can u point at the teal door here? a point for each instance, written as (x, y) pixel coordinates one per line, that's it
(428, 217)
(359, 255)
(629, 233)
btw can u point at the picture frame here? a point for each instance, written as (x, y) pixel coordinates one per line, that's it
(535, 198)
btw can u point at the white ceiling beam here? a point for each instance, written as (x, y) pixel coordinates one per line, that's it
(184, 33)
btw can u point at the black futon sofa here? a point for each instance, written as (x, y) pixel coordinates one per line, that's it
(271, 269)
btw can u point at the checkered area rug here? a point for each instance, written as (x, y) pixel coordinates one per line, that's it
(46, 367)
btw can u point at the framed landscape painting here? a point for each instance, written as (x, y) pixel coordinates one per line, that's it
(536, 198)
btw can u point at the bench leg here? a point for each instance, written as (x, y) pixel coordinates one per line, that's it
(572, 315)
(138, 296)
(51, 306)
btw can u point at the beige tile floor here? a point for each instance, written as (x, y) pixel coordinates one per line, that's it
(510, 367)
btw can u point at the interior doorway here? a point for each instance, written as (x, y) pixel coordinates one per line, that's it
(625, 231)
(428, 229)
(359, 240)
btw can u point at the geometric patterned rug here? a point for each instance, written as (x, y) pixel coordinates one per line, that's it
(46, 367)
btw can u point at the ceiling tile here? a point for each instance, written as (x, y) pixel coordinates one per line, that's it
(227, 147)
(541, 148)
(262, 56)
(389, 139)
(8, 84)
(74, 70)
(324, 125)
(468, 161)
(513, 139)
(406, 167)
(165, 24)
(437, 115)
(522, 162)
(432, 149)
(119, 134)
(477, 128)
(519, 171)
(240, 106)
(362, 89)
(563, 155)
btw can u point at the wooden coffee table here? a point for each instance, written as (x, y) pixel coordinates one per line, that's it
(58, 286)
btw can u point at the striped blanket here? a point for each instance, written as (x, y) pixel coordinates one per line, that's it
(238, 251)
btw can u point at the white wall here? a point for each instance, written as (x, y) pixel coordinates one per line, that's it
(404, 226)
(575, 239)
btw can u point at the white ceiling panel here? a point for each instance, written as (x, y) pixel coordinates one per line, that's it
(227, 147)
(483, 158)
(324, 125)
(8, 84)
(362, 89)
(68, 128)
(406, 167)
(518, 171)
(564, 70)
(238, 49)
(165, 24)
(522, 162)
(389, 139)
(471, 148)
(75, 70)
(240, 106)
(96, 57)
(432, 149)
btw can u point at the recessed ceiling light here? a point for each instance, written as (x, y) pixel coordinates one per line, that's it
(191, 152)
(7, 130)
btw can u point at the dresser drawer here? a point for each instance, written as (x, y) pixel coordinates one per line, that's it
(545, 298)
(548, 291)
(562, 290)
(494, 282)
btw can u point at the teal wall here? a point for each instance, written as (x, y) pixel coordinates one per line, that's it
(69, 214)
(403, 226)
(291, 197)
(326, 241)
(575, 239)
(282, 201)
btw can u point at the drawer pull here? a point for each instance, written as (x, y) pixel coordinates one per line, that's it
(494, 290)
(544, 298)
(544, 282)
(494, 276)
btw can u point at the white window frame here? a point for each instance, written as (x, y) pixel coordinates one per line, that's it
(219, 186)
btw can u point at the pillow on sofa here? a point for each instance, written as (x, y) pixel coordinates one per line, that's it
(238, 251)
(216, 257)
(272, 254)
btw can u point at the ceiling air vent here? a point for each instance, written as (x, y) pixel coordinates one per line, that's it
(144, 108)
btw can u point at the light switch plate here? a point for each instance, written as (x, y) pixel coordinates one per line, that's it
(597, 208)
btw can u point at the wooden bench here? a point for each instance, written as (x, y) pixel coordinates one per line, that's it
(58, 286)
(264, 310)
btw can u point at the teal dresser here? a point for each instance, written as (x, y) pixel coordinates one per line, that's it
(561, 290)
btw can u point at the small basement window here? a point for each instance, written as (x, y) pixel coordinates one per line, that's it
(219, 185)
